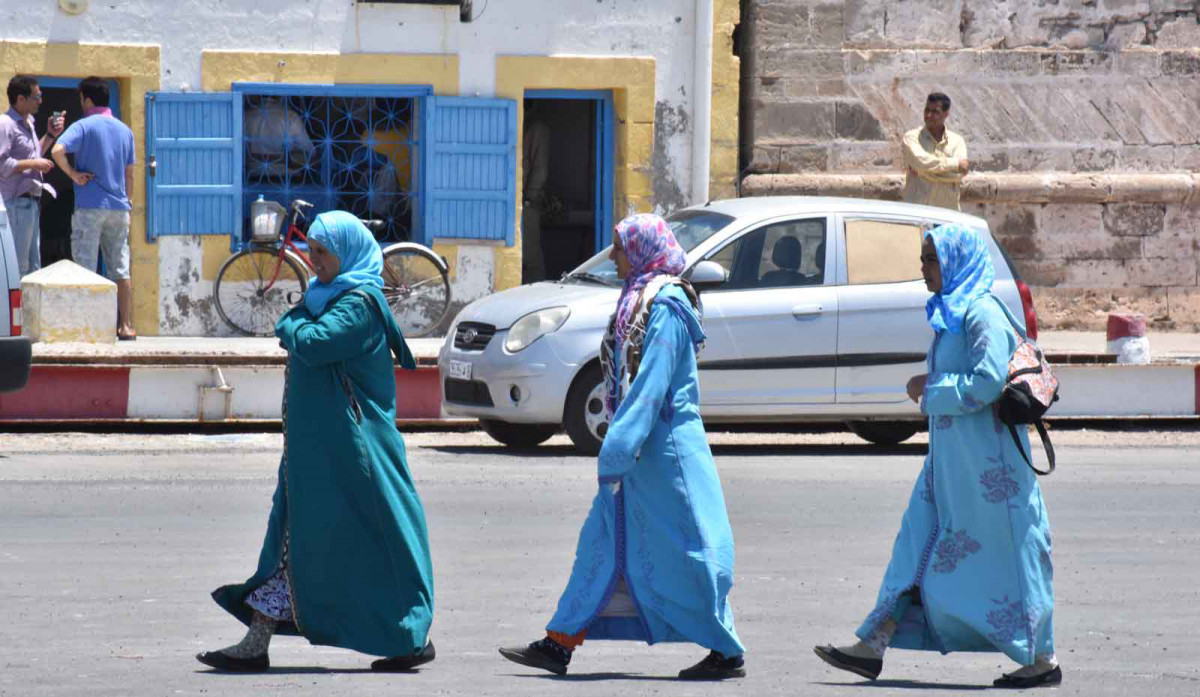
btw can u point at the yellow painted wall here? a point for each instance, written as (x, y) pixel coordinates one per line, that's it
(220, 69)
(632, 81)
(136, 70)
(726, 78)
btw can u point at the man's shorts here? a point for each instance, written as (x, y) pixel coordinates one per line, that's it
(100, 231)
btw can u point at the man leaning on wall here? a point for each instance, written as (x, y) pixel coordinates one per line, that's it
(103, 172)
(22, 165)
(935, 158)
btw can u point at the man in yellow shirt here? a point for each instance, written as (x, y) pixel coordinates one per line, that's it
(935, 158)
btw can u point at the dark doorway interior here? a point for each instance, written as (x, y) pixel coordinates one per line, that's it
(56, 212)
(568, 218)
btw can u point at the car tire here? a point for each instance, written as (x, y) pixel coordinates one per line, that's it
(518, 435)
(884, 432)
(583, 415)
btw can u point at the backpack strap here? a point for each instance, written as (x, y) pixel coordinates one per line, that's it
(1041, 428)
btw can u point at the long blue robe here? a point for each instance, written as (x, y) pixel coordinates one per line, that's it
(358, 559)
(975, 539)
(666, 531)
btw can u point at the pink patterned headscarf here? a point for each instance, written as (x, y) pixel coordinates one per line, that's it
(652, 251)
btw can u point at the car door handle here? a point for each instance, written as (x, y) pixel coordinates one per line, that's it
(806, 310)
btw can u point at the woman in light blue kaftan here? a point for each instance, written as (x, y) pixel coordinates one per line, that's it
(970, 568)
(655, 556)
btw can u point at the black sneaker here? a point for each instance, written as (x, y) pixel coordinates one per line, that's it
(1050, 678)
(546, 654)
(226, 663)
(869, 668)
(404, 664)
(715, 667)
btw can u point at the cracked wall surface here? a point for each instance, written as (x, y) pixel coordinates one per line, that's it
(1049, 87)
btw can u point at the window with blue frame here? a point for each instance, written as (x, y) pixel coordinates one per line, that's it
(339, 151)
(432, 167)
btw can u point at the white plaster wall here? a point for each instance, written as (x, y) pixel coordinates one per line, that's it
(663, 29)
(182, 29)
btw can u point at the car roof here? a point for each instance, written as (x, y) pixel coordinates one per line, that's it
(755, 208)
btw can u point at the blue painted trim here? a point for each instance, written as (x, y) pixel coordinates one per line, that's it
(338, 90)
(605, 139)
(568, 94)
(72, 83)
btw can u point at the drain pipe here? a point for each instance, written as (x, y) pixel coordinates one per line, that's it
(702, 99)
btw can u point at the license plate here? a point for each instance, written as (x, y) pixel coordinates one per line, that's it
(460, 370)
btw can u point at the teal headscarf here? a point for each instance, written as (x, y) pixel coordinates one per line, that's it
(354, 246)
(967, 273)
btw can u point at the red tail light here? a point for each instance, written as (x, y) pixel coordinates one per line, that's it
(14, 312)
(1031, 328)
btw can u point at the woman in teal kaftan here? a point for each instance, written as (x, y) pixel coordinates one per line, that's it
(346, 557)
(654, 561)
(970, 568)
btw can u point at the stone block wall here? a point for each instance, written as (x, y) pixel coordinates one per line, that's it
(1044, 93)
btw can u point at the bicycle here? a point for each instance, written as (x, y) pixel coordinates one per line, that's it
(258, 284)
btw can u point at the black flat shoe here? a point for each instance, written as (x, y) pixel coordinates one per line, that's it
(229, 664)
(869, 668)
(545, 654)
(1048, 679)
(715, 667)
(404, 664)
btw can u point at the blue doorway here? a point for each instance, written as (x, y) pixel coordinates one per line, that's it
(576, 206)
(62, 94)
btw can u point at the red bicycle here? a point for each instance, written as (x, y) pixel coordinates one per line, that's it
(257, 285)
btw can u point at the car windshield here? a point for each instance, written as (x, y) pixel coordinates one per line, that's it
(690, 228)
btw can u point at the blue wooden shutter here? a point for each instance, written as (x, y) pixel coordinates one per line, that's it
(194, 164)
(471, 169)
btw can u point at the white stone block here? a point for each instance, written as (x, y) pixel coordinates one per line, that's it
(65, 302)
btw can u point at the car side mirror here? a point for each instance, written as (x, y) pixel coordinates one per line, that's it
(706, 275)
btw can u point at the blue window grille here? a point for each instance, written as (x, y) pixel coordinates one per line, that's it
(340, 147)
(193, 164)
(471, 155)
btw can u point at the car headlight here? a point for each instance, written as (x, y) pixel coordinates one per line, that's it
(534, 326)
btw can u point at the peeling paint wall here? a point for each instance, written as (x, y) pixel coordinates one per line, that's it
(1055, 88)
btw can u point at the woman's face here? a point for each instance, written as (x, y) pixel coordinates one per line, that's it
(619, 257)
(931, 269)
(324, 262)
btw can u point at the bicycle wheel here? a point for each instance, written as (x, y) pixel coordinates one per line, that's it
(252, 290)
(416, 288)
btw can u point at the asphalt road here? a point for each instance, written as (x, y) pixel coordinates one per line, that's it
(109, 546)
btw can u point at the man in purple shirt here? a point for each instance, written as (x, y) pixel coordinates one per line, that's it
(103, 171)
(22, 164)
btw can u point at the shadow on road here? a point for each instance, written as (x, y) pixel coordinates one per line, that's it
(906, 685)
(593, 677)
(300, 670)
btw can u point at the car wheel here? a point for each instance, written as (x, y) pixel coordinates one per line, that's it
(584, 416)
(518, 435)
(884, 432)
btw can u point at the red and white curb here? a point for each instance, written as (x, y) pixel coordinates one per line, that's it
(183, 393)
(57, 392)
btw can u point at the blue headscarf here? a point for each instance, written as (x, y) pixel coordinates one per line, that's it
(354, 246)
(967, 274)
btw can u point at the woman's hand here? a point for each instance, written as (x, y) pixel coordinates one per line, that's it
(916, 387)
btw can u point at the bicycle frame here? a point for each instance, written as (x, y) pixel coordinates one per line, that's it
(288, 245)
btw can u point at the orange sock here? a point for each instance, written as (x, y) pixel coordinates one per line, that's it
(570, 641)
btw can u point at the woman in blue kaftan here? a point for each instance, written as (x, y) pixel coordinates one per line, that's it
(970, 568)
(654, 561)
(346, 557)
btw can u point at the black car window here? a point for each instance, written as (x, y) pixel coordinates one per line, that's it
(787, 254)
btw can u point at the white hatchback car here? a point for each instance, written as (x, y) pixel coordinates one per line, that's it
(814, 310)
